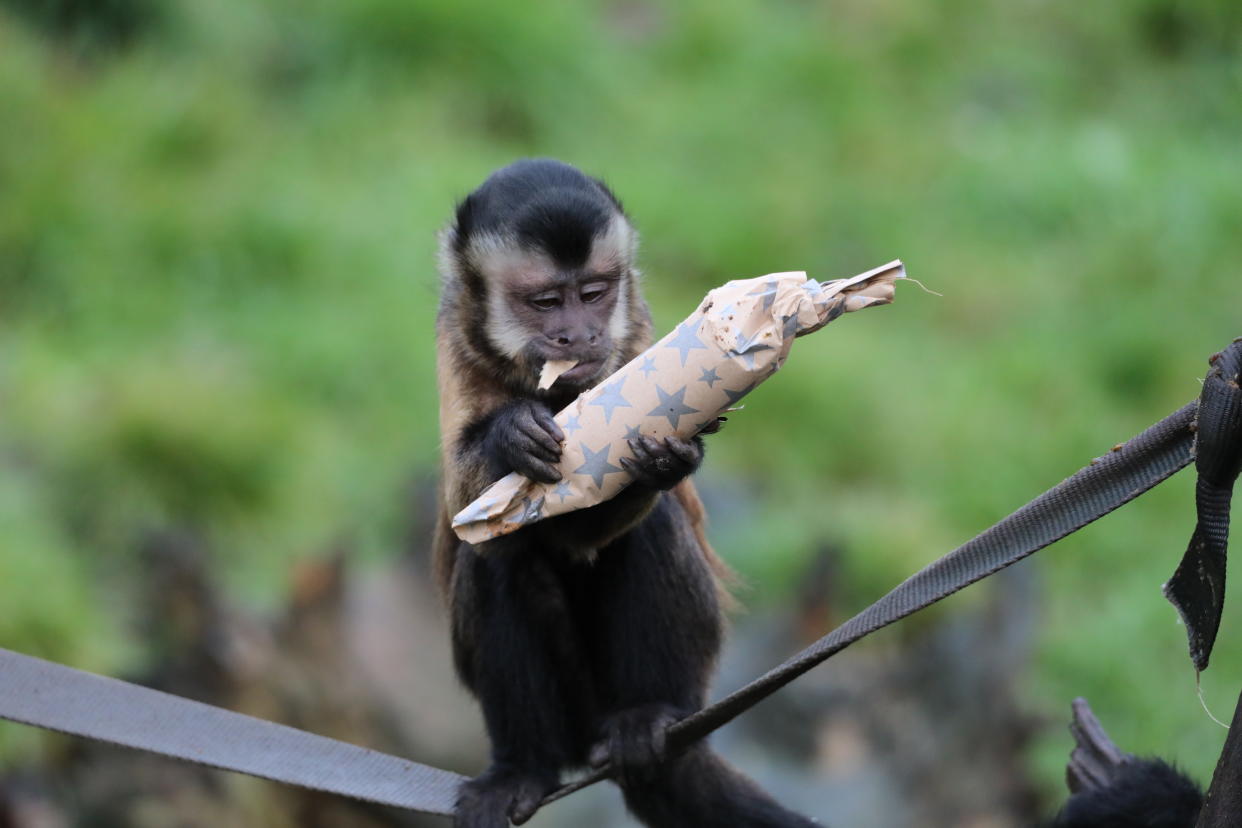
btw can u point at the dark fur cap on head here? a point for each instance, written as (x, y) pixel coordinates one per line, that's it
(543, 203)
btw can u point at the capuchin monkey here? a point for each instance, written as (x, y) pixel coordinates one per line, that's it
(583, 636)
(1113, 789)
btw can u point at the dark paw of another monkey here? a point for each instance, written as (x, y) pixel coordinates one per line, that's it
(662, 464)
(634, 740)
(499, 795)
(526, 438)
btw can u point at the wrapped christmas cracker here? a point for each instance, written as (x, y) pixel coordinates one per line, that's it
(739, 336)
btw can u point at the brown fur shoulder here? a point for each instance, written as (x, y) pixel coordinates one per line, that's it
(466, 395)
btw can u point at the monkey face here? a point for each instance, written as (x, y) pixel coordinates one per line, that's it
(540, 309)
(538, 267)
(567, 318)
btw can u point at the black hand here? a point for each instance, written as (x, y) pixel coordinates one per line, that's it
(634, 740)
(501, 794)
(662, 464)
(525, 438)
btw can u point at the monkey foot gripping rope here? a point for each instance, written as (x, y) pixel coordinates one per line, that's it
(1208, 432)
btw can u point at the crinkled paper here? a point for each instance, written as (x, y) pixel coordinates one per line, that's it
(738, 337)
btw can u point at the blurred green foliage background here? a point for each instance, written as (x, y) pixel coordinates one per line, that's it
(217, 283)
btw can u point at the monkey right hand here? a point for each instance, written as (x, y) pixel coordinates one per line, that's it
(526, 439)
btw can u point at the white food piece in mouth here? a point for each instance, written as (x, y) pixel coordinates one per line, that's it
(552, 369)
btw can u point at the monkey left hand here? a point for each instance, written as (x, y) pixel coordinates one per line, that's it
(633, 740)
(662, 464)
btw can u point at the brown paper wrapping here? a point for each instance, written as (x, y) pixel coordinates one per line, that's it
(739, 336)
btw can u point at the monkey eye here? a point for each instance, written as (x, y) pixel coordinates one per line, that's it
(593, 293)
(546, 302)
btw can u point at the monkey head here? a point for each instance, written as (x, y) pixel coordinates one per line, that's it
(538, 265)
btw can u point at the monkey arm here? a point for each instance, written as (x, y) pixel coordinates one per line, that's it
(658, 465)
(487, 450)
(523, 437)
(519, 436)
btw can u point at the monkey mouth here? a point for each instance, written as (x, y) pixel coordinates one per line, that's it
(582, 373)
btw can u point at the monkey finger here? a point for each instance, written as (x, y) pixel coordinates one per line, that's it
(540, 457)
(640, 451)
(659, 740)
(659, 733)
(652, 445)
(533, 433)
(545, 420)
(685, 450)
(599, 754)
(636, 472)
(525, 803)
(547, 473)
(635, 746)
(540, 471)
(550, 453)
(713, 426)
(525, 445)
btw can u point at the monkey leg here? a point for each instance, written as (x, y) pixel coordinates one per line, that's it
(529, 677)
(658, 623)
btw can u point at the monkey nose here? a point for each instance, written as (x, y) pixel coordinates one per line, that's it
(575, 339)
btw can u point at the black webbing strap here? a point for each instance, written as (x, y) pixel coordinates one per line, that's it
(1107, 483)
(44, 694)
(1197, 587)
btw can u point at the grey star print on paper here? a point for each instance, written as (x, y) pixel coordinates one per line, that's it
(648, 366)
(709, 377)
(672, 406)
(748, 346)
(532, 510)
(562, 490)
(768, 291)
(632, 433)
(734, 396)
(596, 465)
(791, 325)
(686, 339)
(610, 399)
(479, 509)
(572, 424)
